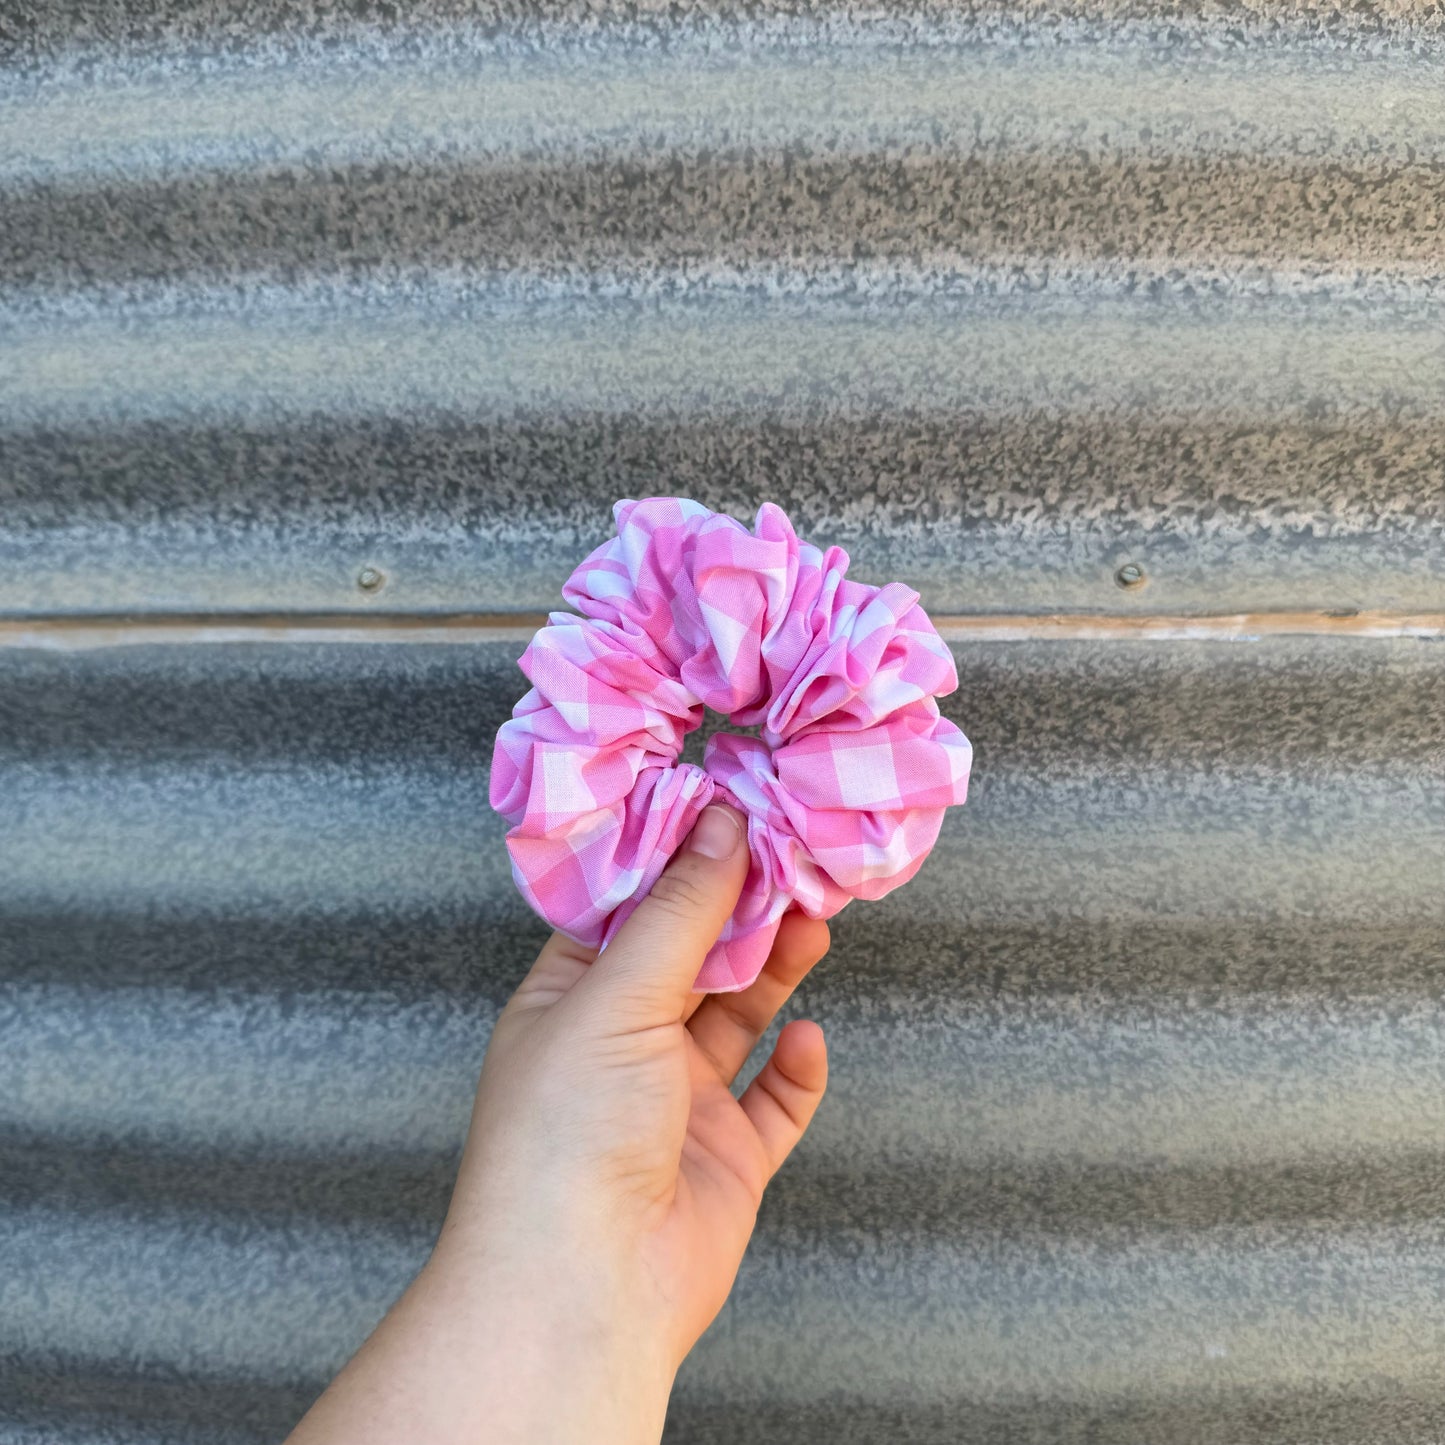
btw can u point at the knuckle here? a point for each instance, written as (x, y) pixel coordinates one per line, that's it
(743, 1019)
(677, 892)
(782, 1095)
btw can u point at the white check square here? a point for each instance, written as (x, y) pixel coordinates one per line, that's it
(866, 776)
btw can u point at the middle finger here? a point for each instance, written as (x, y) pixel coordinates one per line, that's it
(727, 1026)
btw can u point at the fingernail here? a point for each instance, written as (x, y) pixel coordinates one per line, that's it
(716, 833)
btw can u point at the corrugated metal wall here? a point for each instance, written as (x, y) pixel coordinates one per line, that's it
(1138, 1099)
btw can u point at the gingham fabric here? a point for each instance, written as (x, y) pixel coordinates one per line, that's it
(844, 786)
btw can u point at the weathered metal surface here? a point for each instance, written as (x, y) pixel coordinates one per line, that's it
(1000, 303)
(1137, 1090)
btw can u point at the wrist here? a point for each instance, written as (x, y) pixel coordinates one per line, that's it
(550, 1343)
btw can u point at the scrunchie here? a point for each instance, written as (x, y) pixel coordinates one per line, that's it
(844, 785)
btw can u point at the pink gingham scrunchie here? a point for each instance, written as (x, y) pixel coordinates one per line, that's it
(685, 609)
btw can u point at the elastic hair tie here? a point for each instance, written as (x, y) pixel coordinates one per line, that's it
(844, 785)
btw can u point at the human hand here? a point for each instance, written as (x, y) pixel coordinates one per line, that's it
(609, 1183)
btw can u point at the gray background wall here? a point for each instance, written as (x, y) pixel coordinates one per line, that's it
(1138, 1090)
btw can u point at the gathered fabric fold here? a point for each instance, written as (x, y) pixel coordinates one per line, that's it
(844, 778)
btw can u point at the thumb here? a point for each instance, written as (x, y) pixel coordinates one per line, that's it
(645, 975)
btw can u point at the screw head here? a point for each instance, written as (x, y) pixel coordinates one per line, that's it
(1131, 574)
(371, 579)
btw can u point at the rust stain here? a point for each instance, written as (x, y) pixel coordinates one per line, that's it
(91, 633)
(1222, 627)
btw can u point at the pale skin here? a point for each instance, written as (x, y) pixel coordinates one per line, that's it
(608, 1187)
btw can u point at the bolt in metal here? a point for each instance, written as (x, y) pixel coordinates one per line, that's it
(370, 579)
(1131, 574)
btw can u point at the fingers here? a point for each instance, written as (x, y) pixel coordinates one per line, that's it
(560, 964)
(645, 975)
(727, 1026)
(783, 1098)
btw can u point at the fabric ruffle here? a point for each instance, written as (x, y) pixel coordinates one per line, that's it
(844, 786)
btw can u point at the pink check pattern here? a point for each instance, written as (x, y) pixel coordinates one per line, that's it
(844, 786)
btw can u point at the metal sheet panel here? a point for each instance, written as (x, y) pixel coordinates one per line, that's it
(999, 301)
(1137, 1093)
